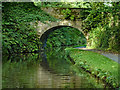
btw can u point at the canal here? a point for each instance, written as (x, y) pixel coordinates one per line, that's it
(48, 69)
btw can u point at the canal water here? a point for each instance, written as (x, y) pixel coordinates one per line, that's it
(48, 69)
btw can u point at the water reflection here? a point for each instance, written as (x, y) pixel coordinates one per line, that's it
(50, 69)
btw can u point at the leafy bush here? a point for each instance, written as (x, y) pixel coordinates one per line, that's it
(102, 24)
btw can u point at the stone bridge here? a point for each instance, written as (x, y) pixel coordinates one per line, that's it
(44, 29)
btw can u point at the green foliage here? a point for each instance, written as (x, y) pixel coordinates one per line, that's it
(68, 14)
(65, 36)
(63, 4)
(102, 24)
(75, 14)
(104, 37)
(18, 34)
(66, 8)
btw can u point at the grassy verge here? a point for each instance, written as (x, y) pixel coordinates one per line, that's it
(96, 64)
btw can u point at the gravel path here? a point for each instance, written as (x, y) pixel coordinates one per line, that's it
(112, 56)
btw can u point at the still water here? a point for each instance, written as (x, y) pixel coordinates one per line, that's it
(48, 69)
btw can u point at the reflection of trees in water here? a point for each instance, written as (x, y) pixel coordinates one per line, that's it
(57, 60)
(46, 79)
(51, 59)
(41, 71)
(18, 70)
(48, 74)
(44, 62)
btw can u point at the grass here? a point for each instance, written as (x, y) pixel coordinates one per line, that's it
(99, 65)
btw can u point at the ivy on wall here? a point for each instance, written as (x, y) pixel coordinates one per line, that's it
(18, 35)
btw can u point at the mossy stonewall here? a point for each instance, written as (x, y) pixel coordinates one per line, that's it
(98, 65)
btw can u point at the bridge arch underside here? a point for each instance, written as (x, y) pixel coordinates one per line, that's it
(46, 34)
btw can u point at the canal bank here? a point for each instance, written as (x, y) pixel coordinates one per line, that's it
(99, 65)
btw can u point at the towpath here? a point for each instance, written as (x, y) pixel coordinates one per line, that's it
(112, 56)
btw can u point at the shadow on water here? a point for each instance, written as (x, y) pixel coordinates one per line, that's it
(48, 69)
